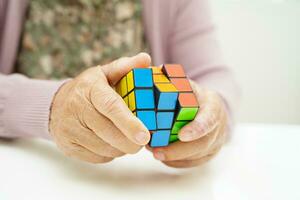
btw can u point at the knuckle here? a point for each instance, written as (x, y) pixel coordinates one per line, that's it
(83, 82)
(109, 103)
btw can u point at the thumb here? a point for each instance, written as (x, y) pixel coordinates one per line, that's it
(115, 70)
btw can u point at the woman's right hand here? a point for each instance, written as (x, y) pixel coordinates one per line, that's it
(90, 121)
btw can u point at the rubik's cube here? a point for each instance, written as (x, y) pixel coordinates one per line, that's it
(162, 98)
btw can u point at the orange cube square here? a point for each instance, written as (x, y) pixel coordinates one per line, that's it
(173, 70)
(181, 84)
(187, 100)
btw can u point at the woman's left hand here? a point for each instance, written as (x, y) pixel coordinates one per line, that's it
(202, 138)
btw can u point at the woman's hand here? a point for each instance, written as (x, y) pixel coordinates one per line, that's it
(202, 138)
(90, 121)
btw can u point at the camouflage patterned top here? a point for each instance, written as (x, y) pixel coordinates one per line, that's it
(63, 37)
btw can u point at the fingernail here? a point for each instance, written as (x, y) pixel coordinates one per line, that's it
(141, 138)
(159, 155)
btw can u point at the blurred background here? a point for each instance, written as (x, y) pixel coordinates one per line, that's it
(261, 42)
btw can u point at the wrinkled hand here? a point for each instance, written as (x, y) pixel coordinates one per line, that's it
(202, 138)
(90, 121)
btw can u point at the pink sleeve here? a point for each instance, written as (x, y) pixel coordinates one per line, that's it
(25, 105)
(182, 31)
(193, 43)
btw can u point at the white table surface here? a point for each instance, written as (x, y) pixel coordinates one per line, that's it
(260, 162)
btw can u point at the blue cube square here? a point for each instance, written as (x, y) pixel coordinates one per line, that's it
(160, 138)
(144, 99)
(143, 77)
(148, 118)
(167, 101)
(164, 120)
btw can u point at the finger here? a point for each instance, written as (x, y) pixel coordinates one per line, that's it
(92, 142)
(189, 163)
(117, 69)
(215, 147)
(110, 104)
(181, 150)
(206, 119)
(214, 150)
(76, 151)
(75, 132)
(106, 130)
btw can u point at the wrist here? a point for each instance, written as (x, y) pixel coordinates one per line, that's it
(27, 107)
(54, 102)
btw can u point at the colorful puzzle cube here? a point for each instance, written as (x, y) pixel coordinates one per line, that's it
(160, 138)
(162, 98)
(148, 118)
(166, 96)
(164, 119)
(136, 88)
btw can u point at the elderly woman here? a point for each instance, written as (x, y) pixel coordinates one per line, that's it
(61, 39)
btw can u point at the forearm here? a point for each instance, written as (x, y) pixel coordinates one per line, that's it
(25, 106)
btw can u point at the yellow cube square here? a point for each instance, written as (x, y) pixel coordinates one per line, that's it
(123, 85)
(160, 78)
(166, 87)
(131, 101)
(130, 81)
(156, 70)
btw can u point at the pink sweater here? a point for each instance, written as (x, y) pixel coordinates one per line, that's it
(179, 31)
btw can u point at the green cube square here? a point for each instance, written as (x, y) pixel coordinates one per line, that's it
(173, 138)
(187, 114)
(177, 126)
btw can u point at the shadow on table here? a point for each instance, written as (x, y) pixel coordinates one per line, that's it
(112, 174)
